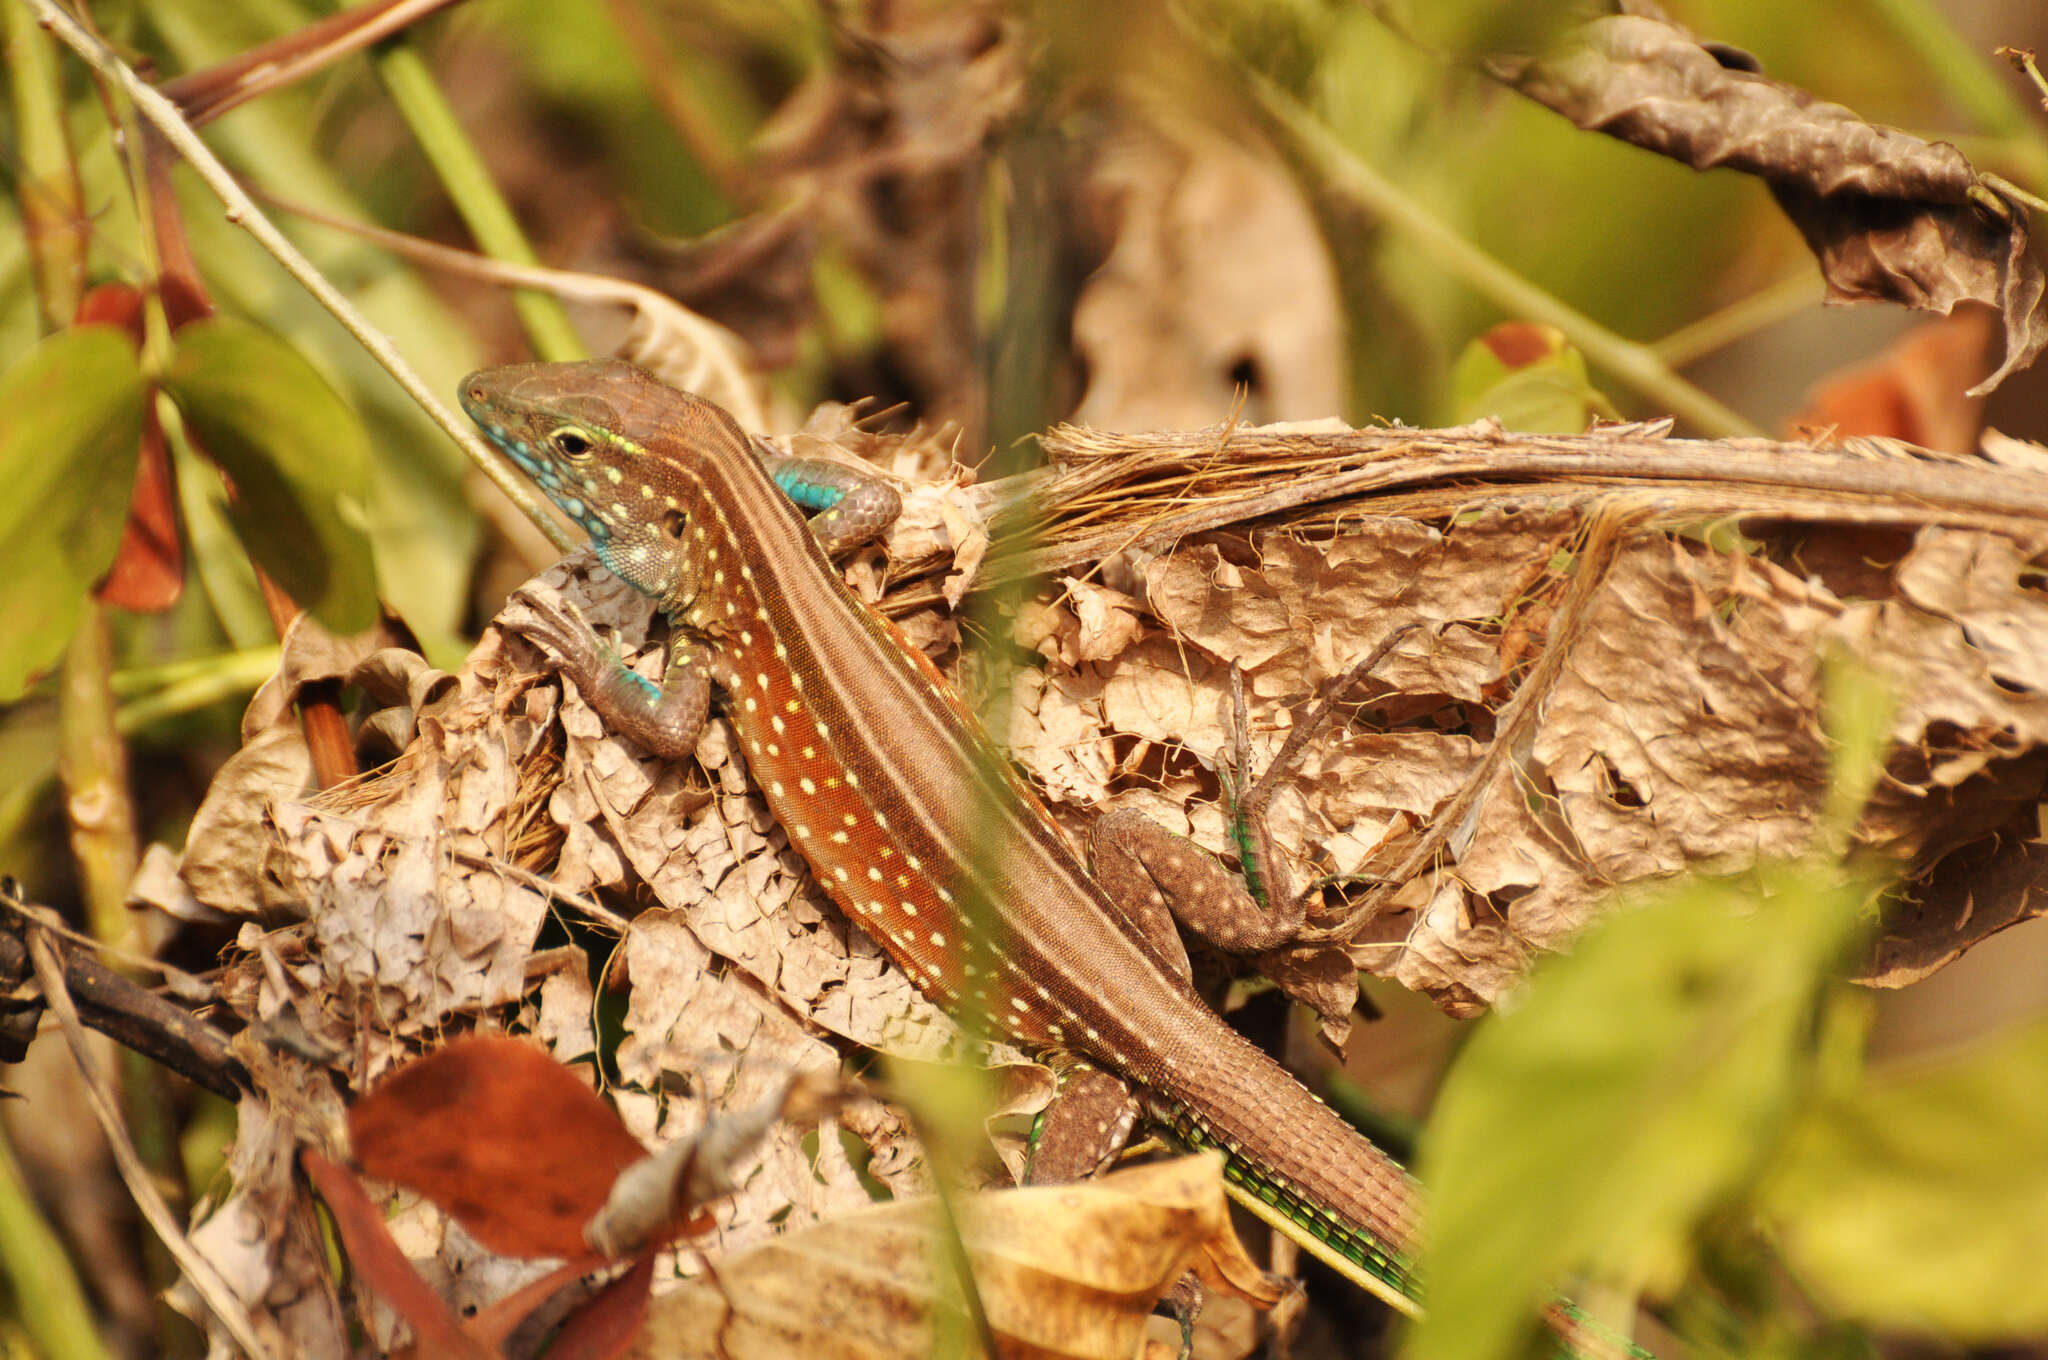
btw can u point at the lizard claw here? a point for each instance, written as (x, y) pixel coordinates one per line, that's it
(556, 628)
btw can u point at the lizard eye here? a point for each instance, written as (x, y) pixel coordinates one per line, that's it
(571, 443)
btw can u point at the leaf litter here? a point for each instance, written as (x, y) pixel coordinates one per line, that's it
(1613, 677)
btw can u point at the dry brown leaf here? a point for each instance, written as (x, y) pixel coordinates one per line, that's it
(1068, 1271)
(311, 654)
(701, 1045)
(1565, 722)
(1218, 278)
(1976, 892)
(1089, 622)
(268, 1244)
(230, 835)
(1889, 216)
(880, 152)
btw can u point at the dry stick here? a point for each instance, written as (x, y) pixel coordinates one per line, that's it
(243, 212)
(596, 911)
(1217, 455)
(212, 1288)
(1519, 716)
(129, 1014)
(1743, 474)
(658, 319)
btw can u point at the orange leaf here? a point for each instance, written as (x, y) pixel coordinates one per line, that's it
(148, 573)
(511, 1143)
(606, 1325)
(1915, 390)
(437, 1332)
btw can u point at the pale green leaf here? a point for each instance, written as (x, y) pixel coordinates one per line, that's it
(298, 459)
(1919, 1200)
(1530, 378)
(67, 458)
(1635, 1085)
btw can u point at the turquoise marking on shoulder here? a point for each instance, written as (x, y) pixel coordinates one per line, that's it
(810, 495)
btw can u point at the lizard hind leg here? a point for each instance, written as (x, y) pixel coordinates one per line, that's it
(1158, 878)
(1084, 1128)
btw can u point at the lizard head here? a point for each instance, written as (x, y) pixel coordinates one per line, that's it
(592, 437)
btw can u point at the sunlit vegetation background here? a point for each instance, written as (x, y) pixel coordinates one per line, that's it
(997, 217)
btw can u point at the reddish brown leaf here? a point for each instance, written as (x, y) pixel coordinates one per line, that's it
(1517, 344)
(495, 1323)
(113, 304)
(205, 95)
(1913, 391)
(377, 1259)
(508, 1141)
(148, 573)
(608, 1324)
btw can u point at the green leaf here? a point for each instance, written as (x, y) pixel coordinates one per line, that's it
(1632, 1088)
(297, 456)
(67, 458)
(1530, 377)
(1919, 1199)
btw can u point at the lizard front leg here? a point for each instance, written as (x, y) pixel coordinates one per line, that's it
(666, 719)
(846, 504)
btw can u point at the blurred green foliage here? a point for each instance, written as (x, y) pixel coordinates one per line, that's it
(74, 415)
(1689, 1033)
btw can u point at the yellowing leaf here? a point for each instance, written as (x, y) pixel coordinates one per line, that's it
(1920, 1199)
(1068, 1270)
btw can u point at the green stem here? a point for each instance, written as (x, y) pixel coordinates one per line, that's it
(1976, 85)
(1637, 366)
(472, 190)
(93, 765)
(48, 1298)
(183, 688)
(1739, 320)
(52, 203)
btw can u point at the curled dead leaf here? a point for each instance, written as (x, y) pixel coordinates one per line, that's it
(1069, 1271)
(1889, 216)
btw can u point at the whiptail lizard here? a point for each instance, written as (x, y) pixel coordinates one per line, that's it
(915, 826)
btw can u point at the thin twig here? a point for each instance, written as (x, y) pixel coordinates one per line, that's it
(207, 1281)
(243, 212)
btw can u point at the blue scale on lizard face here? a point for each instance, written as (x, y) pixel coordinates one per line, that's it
(548, 477)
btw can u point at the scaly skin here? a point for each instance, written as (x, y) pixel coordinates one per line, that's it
(913, 824)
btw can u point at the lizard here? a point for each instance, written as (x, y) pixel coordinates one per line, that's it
(907, 815)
